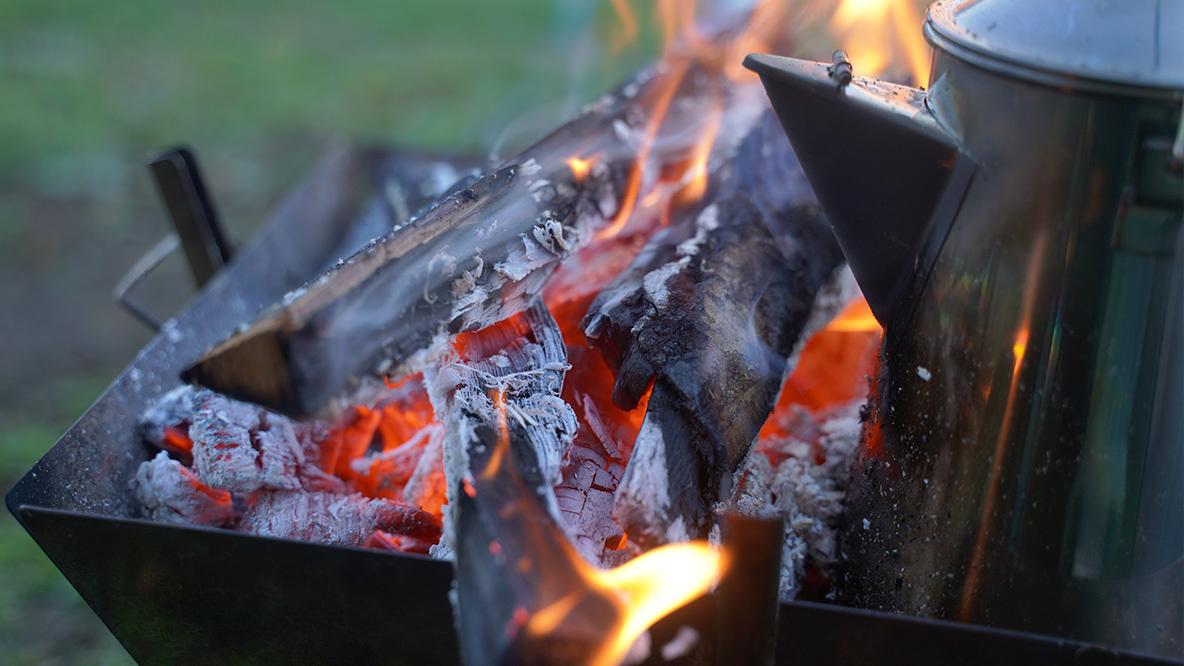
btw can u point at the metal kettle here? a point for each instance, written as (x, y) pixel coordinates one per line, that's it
(1016, 229)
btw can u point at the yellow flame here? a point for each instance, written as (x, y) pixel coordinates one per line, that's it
(696, 177)
(580, 167)
(643, 590)
(855, 318)
(863, 28)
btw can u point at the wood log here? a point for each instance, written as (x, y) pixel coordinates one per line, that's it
(709, 315)
(474, 258)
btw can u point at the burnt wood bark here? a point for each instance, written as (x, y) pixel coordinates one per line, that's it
(476, 256)
(708, 315)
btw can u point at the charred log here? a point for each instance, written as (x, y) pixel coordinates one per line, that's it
(475, 257)
(508, 430)
(708, 316)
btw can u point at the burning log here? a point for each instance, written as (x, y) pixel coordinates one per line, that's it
(329, 518)
(480, 254)
(169, 492)
(708, 315)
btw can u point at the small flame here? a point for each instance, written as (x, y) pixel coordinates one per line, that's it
(628, 22)
(580, 167)
(862, 27)
(643, 590)
(501, 449)
(696, 177)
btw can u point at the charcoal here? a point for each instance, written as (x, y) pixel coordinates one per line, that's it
(328, 518)
(169, 492)
(708, 316)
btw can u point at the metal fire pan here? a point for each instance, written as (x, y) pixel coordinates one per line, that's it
(186, 594)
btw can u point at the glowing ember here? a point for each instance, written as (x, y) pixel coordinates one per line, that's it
(580, 167)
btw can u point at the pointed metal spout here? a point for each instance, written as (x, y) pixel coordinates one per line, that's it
(888, 176)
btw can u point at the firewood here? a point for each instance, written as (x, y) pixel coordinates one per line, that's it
(708, 315)
(328, 518)
(169, 492)
(476, 257)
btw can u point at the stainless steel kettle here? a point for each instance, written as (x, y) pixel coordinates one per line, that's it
(1017, 231)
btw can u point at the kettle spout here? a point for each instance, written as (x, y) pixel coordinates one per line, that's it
(889, 178)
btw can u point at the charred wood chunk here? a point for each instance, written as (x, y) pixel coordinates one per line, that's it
(169, 492)
(342, 520)
(242, 447)
(477, 256)
(709, 316)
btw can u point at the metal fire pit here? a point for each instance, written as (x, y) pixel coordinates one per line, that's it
(188, 594)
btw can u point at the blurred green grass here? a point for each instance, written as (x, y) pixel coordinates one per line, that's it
(90, 89)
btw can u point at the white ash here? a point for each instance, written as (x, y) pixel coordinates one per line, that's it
(705, 223)
(328, 518)
(431, 460)
(681, 645)
(171, 410)
(808, 495)
(242, 447)
(169, 492)
(644, 490)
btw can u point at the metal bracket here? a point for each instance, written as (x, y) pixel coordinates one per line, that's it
(197, 229)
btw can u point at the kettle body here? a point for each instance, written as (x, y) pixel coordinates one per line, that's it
(1023, 462)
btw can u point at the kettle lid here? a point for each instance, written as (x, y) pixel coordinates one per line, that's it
(1122, 43)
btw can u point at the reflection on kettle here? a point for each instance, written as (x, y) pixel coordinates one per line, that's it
(1017, 231)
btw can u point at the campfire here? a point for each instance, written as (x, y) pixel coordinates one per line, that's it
(618, 398)
(563, 374)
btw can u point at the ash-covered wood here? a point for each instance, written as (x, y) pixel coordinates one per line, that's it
(508, 430)
(708, 316)
(170, 492)
(476, 257)
(242, 447)
(335, 519)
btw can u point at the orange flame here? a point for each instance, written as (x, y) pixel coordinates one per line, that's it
(696, 177)
(580, 167)
(856, 317)
(643, 590)
(862, 28)
(628, 22)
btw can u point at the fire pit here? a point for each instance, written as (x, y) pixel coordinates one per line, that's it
(538, 418)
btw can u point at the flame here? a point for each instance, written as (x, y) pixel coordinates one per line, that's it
(502, 448)
(628, 22)
(696, 176)
(670, 82)
(862, 28)
(642, 591)
(580, 167)
(856, 317)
